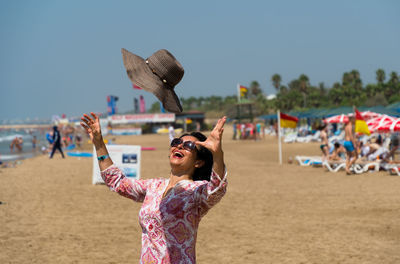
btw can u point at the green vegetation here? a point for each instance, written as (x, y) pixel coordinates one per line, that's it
(300, 94)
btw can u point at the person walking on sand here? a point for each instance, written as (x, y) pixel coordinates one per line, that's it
(324, 141)
(34, 142)
(350, 143)
(56, 142)
(171, 208)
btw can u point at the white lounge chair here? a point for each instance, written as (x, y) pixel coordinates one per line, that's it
(395, 171)
(334, 166)
(392, 168)
(357, 168)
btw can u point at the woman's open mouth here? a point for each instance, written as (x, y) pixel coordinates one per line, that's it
(177, 154)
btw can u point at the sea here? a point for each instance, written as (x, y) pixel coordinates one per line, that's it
(7, 136)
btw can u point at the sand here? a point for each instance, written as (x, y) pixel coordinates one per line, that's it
(51, 213)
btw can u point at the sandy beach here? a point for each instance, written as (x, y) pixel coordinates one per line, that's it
(51, 212)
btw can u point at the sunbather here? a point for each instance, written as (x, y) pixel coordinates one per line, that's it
(338, 153)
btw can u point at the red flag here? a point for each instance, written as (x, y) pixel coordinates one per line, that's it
(361, 125)
(142, 104)
(288, 121)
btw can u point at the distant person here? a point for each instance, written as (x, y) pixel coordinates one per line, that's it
(276, 129)
(238, 129)
(17, 144)
(350, 143)
(171, 132)
(56, 142)
(34, 142)
(78, 140)
(12, 145)
(324, 141)
(258, 131)
(234, 131)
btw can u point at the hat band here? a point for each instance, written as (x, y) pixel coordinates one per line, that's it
(155, 73)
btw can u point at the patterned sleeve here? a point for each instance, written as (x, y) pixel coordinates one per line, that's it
(210, 193)
(115, 179)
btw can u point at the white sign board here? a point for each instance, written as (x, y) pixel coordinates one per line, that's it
(125, 157)
(125, 131)
(141, 118)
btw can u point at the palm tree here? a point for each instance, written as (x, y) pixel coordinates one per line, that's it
(394, 78)
(276, 81)
(304, 83)
(357, 83)
(380, 76)
(255, 89)
(347, 78)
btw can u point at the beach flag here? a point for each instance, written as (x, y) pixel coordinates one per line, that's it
(142, 105)
(162, 109)
(112, 104)
(361, 126)
(243, 91)
(288, 121)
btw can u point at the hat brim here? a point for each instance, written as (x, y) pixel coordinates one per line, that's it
(141, 75)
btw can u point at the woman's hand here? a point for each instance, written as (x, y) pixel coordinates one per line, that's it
(92, 127)
(214, 140)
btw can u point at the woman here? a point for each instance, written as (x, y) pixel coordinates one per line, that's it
(324, 141)
(172, 208)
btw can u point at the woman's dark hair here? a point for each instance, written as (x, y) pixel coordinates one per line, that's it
(204, 172)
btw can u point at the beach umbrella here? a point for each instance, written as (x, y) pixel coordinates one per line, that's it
(337, 119)
(383, 123)
(390, 127)
(367, 115)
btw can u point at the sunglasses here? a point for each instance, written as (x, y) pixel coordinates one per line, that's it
(188, 145)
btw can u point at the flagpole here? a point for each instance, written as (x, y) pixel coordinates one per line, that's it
(279, 137)
(238, 89)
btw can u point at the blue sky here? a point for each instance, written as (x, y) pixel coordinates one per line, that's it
(64, 56)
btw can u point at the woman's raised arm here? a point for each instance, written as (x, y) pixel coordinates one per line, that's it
(92, 127)
(214, 144)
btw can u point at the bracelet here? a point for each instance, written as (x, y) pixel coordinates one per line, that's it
(103, 157)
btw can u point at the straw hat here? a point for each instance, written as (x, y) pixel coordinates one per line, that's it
(158, 74)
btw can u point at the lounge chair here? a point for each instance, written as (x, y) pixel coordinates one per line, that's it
(309, 160)
(358, 167)
(395, 170)
(334, 166)
(392, 168)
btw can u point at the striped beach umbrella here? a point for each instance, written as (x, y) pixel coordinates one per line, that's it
(337, 119)
(384, 123)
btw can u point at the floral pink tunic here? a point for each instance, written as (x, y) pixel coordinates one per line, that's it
(169, 224)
